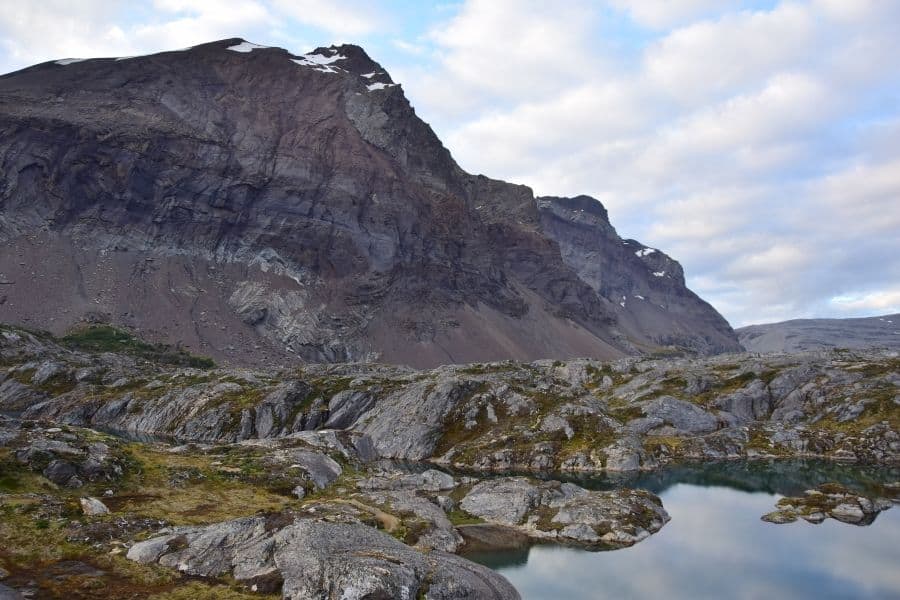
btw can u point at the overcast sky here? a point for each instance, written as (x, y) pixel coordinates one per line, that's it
(756, 142)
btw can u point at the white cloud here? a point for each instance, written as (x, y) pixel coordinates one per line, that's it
(863, 198)
(495, 51)
(666, 13)
(703, 60)
(344, 18)
(881, 301)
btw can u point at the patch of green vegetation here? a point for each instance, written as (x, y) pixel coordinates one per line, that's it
(590, 434)
(880, 406)
(672, 386)
(246, 397)
(486, 368)
(458, 517)
(624, 411)
(663, 444)
(196, 590)
(597, 374)
(104, 338)
(454, 431)
(877, 369)
(759, 441)
(24, 376)
(327, 387)
(208, 493)
(739, 381)
(545, 521)
(60, 383)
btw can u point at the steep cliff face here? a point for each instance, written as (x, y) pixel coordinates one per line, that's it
(260, 206)
(645, 286)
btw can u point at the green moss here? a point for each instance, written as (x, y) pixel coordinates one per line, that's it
(24, 377)
(454, 430)
(197, 590)
(487, 368)
(103, 338)
(458, 517)
(545, 521)
(663, 444)
(672, 386)
(739, 381)
(589, 434)
(246, 397)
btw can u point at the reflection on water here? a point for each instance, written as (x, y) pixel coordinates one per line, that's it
(716, 546)
(782, 477)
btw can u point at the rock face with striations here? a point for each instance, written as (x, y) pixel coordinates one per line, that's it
(259, 206)
(307, 558)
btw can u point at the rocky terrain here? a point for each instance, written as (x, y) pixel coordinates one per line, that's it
(581, 415)
(803, 335)
(830, 501)
(144, 471)
(310, 515)
(263, 208)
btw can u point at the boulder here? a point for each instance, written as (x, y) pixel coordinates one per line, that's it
(566, 512)
(93, 507)
(309, 558)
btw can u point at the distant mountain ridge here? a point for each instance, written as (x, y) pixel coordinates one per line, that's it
(800, 335)
(263, 207)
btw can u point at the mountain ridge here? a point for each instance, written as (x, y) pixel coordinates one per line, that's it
(261, 206)
(800, 335)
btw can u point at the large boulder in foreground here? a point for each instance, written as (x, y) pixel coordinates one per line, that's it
(309, 558)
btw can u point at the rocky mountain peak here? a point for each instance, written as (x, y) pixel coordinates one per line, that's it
(258, 205)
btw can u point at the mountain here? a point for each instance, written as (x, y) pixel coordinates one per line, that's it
(800, 335)
(262, 207)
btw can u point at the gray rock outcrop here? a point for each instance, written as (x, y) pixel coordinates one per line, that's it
(308, 558)
(565, 512)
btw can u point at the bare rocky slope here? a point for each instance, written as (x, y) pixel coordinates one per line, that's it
(260, 207)
(801, 335)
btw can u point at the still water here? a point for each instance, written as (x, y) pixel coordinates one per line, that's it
(716, 546)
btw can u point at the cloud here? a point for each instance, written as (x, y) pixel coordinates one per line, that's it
(660, 14)
(346, 18)
(706, 59)
(758, 146)
(492, 52)
(881, 301)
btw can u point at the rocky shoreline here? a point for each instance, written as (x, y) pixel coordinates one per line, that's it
(293, 483)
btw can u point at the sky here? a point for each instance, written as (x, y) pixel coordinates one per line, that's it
(756, 142)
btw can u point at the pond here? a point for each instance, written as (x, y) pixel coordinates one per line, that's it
(716, 546)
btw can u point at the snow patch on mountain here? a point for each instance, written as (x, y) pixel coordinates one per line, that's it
(320, 62)
(245, 47)
(379, 86)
